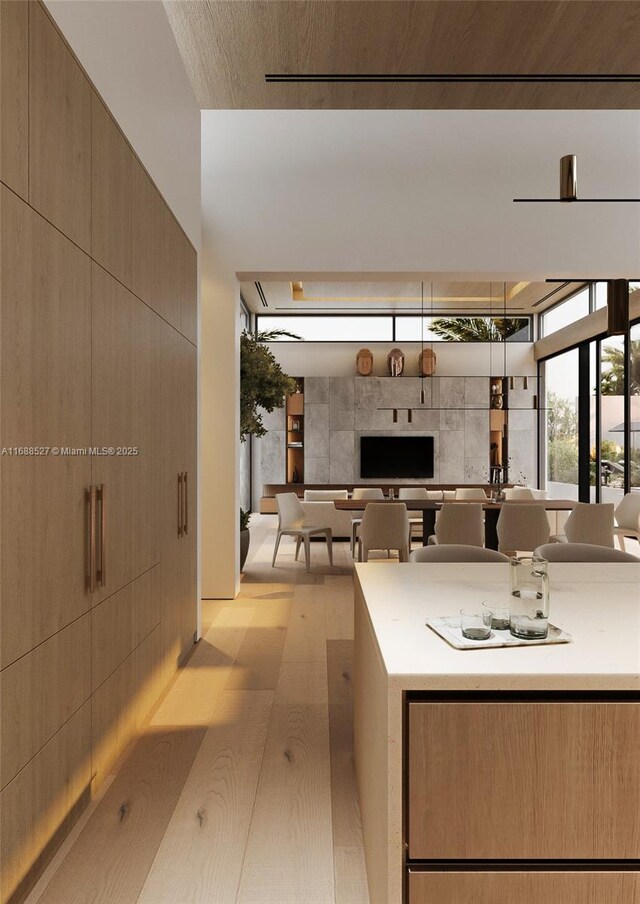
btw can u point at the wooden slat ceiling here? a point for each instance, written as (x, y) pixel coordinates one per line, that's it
(300, 297)
(228, 47)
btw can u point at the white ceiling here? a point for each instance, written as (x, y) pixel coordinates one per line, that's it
(320, 195)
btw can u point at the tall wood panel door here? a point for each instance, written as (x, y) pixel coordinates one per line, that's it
(111, 195)
(45, 333)
(14, 96)
(113, 355)
(145, 437)
(189, 457)
(59, 131)
(169, 425)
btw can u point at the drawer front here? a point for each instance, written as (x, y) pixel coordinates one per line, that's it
(530, 781)
(524, 888)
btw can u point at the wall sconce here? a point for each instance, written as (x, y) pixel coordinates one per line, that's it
(525, 382)
(409, 415)
(512, 382)
(617, 307)
(395, 415)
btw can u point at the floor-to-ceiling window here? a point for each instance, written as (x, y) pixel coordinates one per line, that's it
(612, 418)
(561, 425)
(590, 417)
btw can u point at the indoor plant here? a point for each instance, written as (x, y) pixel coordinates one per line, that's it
(263, 383)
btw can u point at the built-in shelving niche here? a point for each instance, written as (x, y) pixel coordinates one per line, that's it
(295, 435)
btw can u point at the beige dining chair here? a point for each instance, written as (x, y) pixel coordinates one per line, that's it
(589, 522)
(290, 523)
(356, 520)
(459, 524)
(408, 493)
(627, 515)
(456, 552)
(385, 525)
(582, 552)
(472, 494)
(518, 493)
(521, 528)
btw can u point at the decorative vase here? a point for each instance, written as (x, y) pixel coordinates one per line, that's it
(245, 540)
(427, 362)
(364, 362)
(295, 478)
(395, 362)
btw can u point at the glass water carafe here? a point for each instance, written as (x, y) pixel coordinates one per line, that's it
(529, 608)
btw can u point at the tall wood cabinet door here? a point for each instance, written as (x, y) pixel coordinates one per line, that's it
(145, 437)
(59, 131)
(14, 96)
(45, 332)
(190, 538)
(189, 292)
(112, 425)
(111, 194)
(156, 249)
(169, 427)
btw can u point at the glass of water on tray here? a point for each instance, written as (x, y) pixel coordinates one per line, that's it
(529, 609)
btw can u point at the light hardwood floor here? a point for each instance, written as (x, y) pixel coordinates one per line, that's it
(242, 786)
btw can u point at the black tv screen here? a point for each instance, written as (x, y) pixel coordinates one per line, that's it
(396, 456)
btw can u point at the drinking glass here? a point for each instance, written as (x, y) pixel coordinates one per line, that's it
(475, 625)
(499, 614)
(529, 610)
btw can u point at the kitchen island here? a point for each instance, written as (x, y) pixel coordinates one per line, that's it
(501, 775)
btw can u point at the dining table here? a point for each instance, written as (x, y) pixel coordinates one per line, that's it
(429, 507)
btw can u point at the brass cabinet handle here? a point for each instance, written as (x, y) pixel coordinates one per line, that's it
(91, 575)
(180, 525)
(186, 503)
(101, 572)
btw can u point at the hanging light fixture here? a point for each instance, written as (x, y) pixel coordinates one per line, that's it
(617, 307)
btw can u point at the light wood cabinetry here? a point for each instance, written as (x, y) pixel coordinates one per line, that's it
(59, 131)
(46, 389)
(189, 292)
(113, 354)
(476, 766)
(14, 96)
(97, 283)
(189, 489)
(164, 262)
(589, 887)
(111, 194)
(40, 805)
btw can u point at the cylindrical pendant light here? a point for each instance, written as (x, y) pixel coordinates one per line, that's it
(617, 307)
(569, 178)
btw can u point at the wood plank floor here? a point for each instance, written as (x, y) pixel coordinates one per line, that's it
(242, 787)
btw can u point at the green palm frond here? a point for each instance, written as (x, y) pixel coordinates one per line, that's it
(476, 329)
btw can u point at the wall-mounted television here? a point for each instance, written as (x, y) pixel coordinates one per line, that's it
(396, 456)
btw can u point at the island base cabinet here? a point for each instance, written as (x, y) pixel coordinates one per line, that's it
(524, 780)
(523, 887)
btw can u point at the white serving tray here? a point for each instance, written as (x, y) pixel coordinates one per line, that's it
(449, 630)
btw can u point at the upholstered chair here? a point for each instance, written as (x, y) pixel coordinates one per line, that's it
(290, 523)
(473, 494)
(455, 552)
(522, 527)
(385, 525)
(628, 518)
(459, 524)
(590, 523)
(582, 552)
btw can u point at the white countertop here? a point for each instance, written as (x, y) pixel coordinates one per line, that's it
(598, 604)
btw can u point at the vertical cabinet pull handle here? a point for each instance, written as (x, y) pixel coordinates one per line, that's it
(186, 503)
(180, 526)
(101, 572)
(91, 575)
